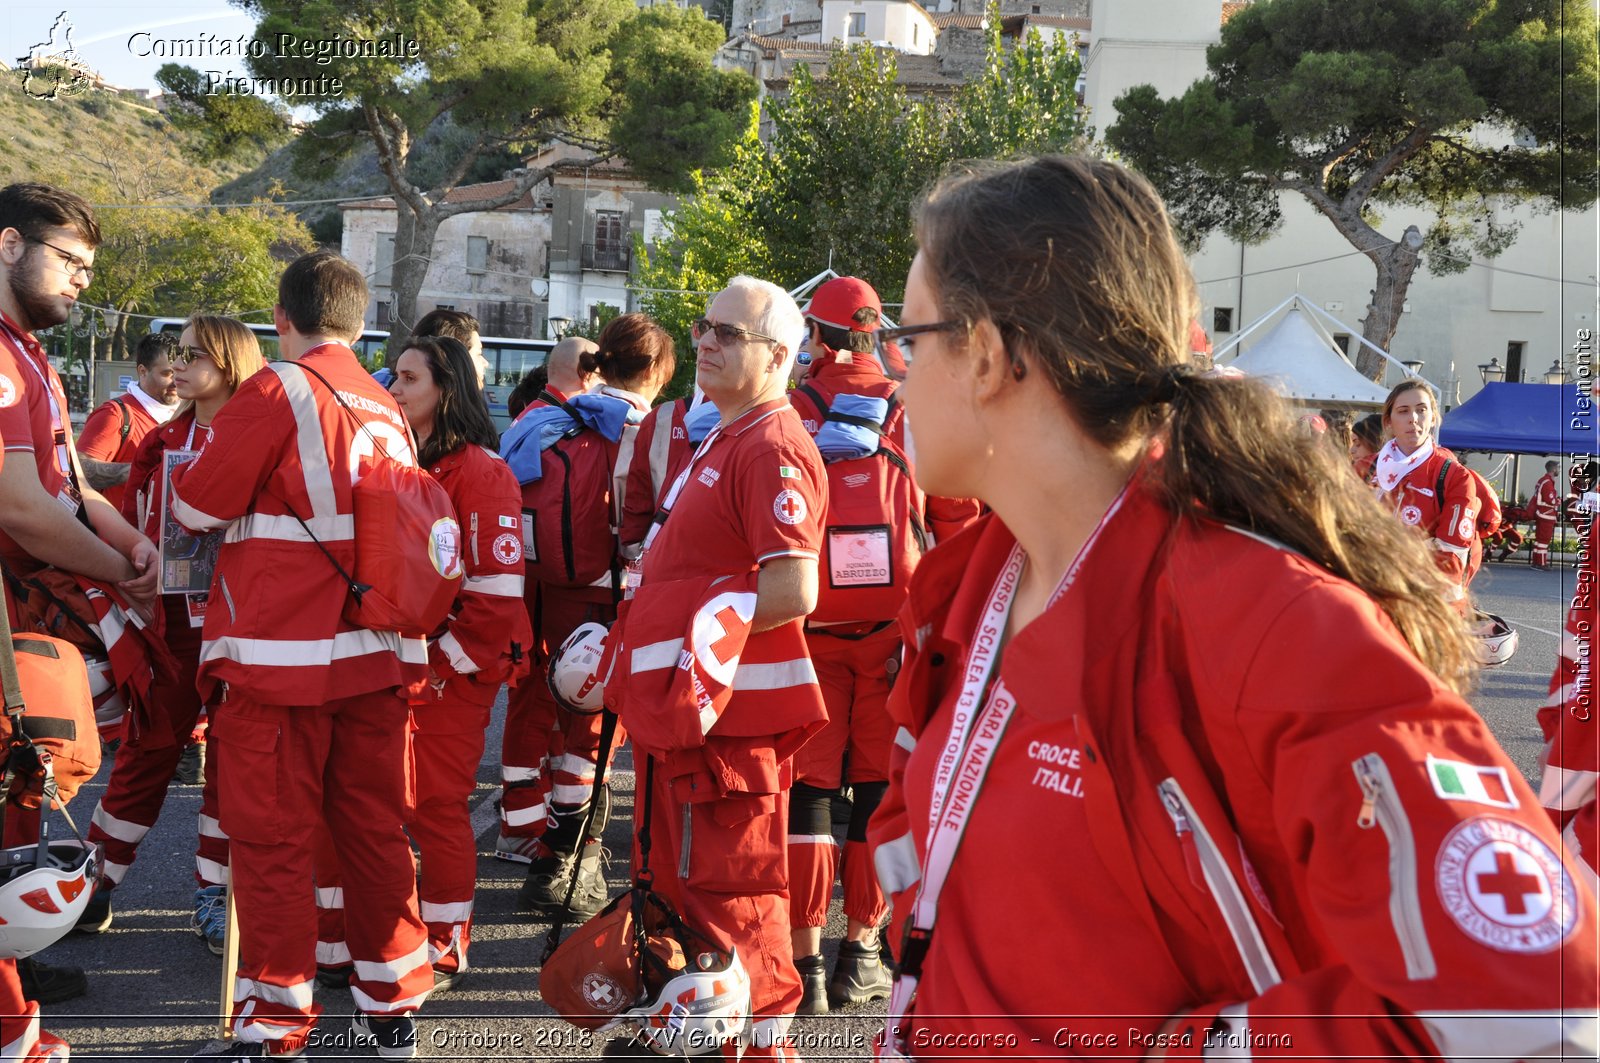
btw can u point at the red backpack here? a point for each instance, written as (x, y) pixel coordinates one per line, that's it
(567, 537)
(873, 534)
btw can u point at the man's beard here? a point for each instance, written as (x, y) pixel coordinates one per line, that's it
(38, 308)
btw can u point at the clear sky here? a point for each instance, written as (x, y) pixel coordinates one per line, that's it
(104, 34)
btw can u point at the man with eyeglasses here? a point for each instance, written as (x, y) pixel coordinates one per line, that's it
(113, 432)
(731, 566)
(48, 515)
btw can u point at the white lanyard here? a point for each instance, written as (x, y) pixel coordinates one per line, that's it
(58, 420)
(963, 767)
(683, 478)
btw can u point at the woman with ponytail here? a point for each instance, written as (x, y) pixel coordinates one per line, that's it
(1186, 768)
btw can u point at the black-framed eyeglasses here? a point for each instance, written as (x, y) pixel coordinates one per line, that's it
(73, 264)
(901, 338)
(726, 333)
(185, 355)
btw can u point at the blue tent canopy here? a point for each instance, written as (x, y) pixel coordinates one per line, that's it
(1524, 419)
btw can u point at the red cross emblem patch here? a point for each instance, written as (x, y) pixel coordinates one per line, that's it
(789, 507)
(1505, 887)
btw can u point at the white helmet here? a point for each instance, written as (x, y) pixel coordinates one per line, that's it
(699, 1009)
(38, 905)
(1497, 640)
(573, 672)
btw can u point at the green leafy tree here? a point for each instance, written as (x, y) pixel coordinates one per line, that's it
(1453, 107)
(224, 125)
(848, 154)
(510, 75)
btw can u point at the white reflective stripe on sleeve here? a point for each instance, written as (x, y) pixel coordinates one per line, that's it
(708, 718)
(210, 828)
(897, 864)
(804, 555)
(777, 676)
(813, 839)
(503, 585)
(905, 740)
(1503, 1034)
(297, 996)
(311, 443)
(392, 971)
(288, 653)
(1567, 789)
(1570, 648)
(332, 953)
(211, 872)
(511, 773)
(190, 517)
(330, 897)
(521, 817)
(339, 527)
(1232, 1040)
(112, 626)
(657, 655)
(120, 829)
(451, 648)
(455, 912)
(1450, 548)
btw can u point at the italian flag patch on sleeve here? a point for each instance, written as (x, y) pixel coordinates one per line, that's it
(1455, 780)
(788, 472)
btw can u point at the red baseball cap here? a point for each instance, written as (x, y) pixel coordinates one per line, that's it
(836, 302)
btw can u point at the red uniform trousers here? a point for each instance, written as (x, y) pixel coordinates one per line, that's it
(289, 770)
(145, 762)
(1544, 530)
(855, 675)
(736, 890)
(20, 1035)
(547, 754)
(446, 744)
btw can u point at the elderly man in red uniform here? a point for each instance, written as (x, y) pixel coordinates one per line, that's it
(745, 514)
(313, 724)
(112, 434)
(48, 515)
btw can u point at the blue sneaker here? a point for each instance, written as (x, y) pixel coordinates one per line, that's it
(210, 919)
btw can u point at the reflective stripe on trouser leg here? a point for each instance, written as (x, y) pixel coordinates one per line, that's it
(211, 849)
(363, 807)
(332, 949)
(446, 747)
(813, 855)
(524, 751)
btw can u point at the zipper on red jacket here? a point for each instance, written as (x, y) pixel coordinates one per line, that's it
(1180, 823)
(1381, 807)
(1222, 886)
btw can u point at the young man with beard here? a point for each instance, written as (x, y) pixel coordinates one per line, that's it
(48, 515)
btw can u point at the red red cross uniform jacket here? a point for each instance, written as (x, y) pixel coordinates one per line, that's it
(1570, 783)
(1241, 799)
(485, 641)
(275, 629)
(1450, 524)
(660, 451)
(102, 439)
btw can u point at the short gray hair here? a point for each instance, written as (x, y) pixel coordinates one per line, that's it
(779, 316)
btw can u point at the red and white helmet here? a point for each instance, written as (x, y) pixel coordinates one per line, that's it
(573, 674)
(701, 1008)
(38, 905)
(1497, 640)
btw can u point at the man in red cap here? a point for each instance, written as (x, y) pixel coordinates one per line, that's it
(877, 525)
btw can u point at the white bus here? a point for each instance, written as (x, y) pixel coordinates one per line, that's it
(509, 359)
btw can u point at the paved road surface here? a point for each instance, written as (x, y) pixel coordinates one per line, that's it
(154, 986)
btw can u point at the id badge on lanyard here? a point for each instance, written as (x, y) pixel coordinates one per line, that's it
(70, 495)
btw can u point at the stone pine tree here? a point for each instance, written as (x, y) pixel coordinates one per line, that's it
(1458, 108)
(506, 75)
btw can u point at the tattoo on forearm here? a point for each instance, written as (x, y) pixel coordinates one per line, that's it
(104, 474)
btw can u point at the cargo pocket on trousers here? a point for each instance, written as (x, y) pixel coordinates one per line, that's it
(251, 802)
(737, 845)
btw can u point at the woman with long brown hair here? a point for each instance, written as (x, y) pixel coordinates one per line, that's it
(214, 356)
(1186, 767)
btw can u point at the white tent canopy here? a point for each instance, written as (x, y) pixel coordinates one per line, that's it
(1299, 356)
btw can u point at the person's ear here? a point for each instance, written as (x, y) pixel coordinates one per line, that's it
(13, 245)
(987, 361)
(280, 320)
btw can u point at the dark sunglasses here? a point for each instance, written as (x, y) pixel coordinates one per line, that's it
(185, 355)
(882, 338)
(726, 333)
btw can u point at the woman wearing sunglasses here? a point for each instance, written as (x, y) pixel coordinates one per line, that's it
(1187, 771)
(215, 355)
